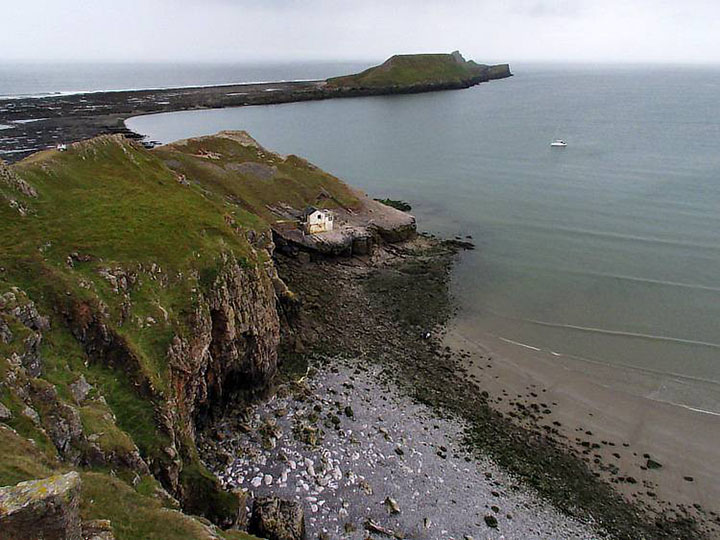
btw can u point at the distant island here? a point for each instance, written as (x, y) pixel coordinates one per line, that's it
(37, 123)
(422, 72)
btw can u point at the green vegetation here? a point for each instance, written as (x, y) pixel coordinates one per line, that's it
(97, 421)
(421, 69)
(117, 203)
(204, 496)
(21, 460)
(133, 515)
(113, 247)
(120, 211)
(235, 167)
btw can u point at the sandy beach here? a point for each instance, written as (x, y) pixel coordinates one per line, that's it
(592, 409)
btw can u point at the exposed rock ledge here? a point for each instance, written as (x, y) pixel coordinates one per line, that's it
(355, 232)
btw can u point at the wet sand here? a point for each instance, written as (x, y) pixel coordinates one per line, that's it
(591, 408)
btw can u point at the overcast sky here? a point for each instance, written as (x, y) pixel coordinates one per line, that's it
(261, 30)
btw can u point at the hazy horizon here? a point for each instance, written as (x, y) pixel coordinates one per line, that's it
(233, 31)
(516, 62)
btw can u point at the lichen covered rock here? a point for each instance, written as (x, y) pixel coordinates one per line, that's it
(47, 509)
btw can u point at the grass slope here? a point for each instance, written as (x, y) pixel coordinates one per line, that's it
(236, 167)
(137, 516)
(118, 207)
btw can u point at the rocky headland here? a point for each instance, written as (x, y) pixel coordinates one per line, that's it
(36, 123)
(168, 351)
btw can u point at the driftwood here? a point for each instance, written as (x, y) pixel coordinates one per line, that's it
(371, 526)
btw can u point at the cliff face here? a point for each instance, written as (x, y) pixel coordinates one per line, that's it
(228, 339)
(232, 343)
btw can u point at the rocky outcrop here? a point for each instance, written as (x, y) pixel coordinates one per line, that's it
(5, 413)
(17, 186)
(233, 344)
(47, 509)
(229, 340)
(499, 71)
(42, 404)
(14, 305)
(12, 180)
(80, 389)
(343, 242)
(98, 529)
(60, 421)
(414, 73)
(277, 519)
(355, 232)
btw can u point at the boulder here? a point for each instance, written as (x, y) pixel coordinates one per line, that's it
(97, 529)
(6, 334)
(47, 509)
(61, 421)
(80, 389)
(31, 359)
(277, 519)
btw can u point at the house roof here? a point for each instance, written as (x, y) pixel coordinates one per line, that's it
(311, 210)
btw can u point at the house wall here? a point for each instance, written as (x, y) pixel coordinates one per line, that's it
(317, 223)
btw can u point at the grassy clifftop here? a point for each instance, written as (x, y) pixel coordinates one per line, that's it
(421, 69)
(234, 166)
(109, 257)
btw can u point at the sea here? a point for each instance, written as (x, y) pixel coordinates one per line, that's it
(607, 250)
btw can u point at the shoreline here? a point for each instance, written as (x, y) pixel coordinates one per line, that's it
(353, 450)
(633, 380)
(66, 93)
(374, 309)
(623, 427)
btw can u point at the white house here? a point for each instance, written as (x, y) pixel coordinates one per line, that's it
(317, 220)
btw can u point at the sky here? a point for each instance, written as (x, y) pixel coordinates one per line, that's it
(669, 31)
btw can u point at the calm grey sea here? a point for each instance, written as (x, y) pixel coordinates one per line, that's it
(608, 249)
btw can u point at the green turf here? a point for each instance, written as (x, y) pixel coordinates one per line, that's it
(135, 516)
(212, 162)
